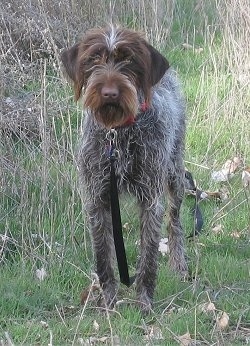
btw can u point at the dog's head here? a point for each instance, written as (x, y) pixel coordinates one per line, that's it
(110, 66)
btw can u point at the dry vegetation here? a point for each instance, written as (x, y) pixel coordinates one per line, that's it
(33, 33)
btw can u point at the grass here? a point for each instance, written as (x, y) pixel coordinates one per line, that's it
(42, 225)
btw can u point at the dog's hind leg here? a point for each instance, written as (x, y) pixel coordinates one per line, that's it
(175, 192)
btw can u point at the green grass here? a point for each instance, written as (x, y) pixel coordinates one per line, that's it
(42, 224)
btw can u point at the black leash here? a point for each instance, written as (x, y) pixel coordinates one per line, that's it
(115, 212)
(196, 193)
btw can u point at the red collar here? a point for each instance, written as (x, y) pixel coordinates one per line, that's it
(131, 120)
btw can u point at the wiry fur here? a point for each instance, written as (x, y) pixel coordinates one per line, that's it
(150, 166)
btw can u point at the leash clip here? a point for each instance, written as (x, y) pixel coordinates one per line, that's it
(111, 136)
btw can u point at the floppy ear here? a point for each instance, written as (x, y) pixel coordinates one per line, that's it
(159, 65)
(72, 67)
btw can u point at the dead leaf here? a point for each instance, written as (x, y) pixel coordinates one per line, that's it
(207, 307)
(223, 321)
(153, 332)
(246, 177)
(187, 46)
(210, 307)
(44, 324)
(163, 246)
(235, 234)
(126, 226)
(217, 229)
(198, 50)
(222, 194)
(203, 195)
(88, 291)
(182, 310)
(198, 6)
(102, 339)
(232, 165)
(8, 339)
(92, 340)
(214, 194)
(220, 176)
(41, 274)
(96, 326)
(185, 339)
(227, 170)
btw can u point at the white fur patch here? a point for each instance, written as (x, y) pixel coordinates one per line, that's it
(111, 38)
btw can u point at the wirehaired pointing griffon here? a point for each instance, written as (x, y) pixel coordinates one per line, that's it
(128, 85)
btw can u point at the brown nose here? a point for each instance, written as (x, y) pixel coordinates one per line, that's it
(110, 92)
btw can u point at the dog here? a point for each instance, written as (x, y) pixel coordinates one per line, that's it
(127, 85)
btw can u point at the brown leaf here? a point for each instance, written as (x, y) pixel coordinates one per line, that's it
(189, 46)
(246, 177)
(223, 321)
(232, 165)
(210, 307)
(87, 291)
(185, 339)
(207, 307)
(227, 170)
(222, 194)
(235, 234)
(217, 229)
(153, 333)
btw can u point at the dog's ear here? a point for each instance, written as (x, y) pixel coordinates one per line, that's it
(159, 65)
(70, 60)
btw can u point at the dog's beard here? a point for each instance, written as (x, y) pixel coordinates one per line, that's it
(110, 115)
(116, 113)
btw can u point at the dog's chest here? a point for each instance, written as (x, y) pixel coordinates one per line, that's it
(129, 162)
(127, 154)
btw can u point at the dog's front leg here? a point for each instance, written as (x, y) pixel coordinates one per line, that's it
(101, 230)
(151, 220)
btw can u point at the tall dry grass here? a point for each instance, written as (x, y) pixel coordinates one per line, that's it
(221, 106)
(36, 105)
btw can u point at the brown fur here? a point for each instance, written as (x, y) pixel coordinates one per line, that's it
(131, 65)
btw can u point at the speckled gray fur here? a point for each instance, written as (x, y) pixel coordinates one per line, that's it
(150, 166)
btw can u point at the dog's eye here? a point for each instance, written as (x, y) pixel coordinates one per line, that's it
(122, 56)
(96, 58)
(128, 60)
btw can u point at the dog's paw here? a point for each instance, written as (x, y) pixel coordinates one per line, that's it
(108, 295)
(180, 267)
(144, 302)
